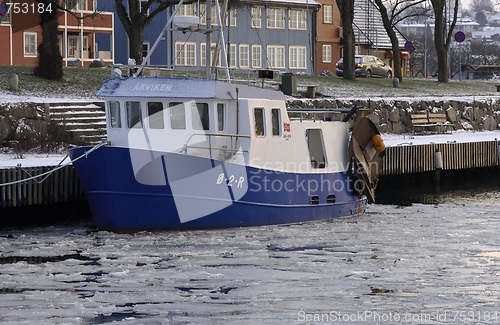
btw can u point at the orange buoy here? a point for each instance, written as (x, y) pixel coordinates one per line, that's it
(378, 143)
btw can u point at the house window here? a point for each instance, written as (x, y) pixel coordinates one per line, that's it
(186, 10)
(73, 47)
(297, 57)
(232, 17)
(199, 116)
(327, 14)
(259, 121)
(4, 9)
(327, 53)
(134, 116)
(297, 19)
(143, 4)
(276, 18)
(203, 47)
(256, 17)
(114, 114)
(221, 117)
(276, 121)
(145, 50)
(76, 4)
(155, 115)
(232, 55)
(243, 56)
(29, 44)
(276, 56)
(185, 53)
(256, 56)
(177, 116)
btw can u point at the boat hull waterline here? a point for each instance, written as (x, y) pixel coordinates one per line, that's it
(201, 193)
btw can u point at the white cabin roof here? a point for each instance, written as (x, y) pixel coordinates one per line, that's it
(162, 87)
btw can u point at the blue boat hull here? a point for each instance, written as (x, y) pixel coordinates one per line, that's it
(119, 202)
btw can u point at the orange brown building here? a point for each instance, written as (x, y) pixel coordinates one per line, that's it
(20, 32)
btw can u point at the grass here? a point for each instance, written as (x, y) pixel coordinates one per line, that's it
(83, 83)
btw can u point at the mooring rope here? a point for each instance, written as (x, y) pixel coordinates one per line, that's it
(48, 173)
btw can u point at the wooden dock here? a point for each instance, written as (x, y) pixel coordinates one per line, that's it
(61, 186)
(404, 159)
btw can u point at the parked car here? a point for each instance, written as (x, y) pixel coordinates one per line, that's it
(366, 66)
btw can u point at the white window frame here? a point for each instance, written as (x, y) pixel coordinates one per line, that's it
(276, 56)
(187, 10)
(256, 17)
(185, 54)
(297, 57)
(326, 53)
(297, 19)
(142, 4)
(231, 17)
(203, 57)
(256, 56)
(276, 18)
(327, 14)
(232, 55)
(244, 57)
(77, 5)
(5, 19)
(30, 45)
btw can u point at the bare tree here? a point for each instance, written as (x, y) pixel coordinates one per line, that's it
(442, 35)
(483, 5)
(49, 56)
(346, 8)
(137, 17)
(398, 11)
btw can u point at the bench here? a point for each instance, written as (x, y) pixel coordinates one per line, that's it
(311, 91)
(427, 122)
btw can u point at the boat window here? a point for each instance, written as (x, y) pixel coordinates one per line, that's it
(276, 121)
(134, 118)
(316, 146)
(199, 116)
(221, 111)
(115, 120)
(177, 116)
(259, 121)
(155, 115)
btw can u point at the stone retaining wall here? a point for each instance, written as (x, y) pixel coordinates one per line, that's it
(393, 115)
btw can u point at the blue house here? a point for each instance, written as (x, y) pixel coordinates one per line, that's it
(273, 34)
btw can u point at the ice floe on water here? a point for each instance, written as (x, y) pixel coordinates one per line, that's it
(422, 264)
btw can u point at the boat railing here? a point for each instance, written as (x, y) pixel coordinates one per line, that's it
(317, 114)
(225, 151)
(236, 75)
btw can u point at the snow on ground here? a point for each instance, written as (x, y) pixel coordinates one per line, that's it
(456, 136)
(31, 160)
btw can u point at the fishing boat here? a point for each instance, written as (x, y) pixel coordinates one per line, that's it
(186, 153)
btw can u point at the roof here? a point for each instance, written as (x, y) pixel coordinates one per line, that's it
(161, 87)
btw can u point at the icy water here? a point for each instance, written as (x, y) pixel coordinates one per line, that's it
(419, 264)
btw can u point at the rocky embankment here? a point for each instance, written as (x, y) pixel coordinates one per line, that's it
(394, 115)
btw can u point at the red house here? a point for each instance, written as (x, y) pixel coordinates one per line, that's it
(20, 32)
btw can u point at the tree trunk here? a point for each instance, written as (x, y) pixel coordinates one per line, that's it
(442, 38)
(346, 8)
(49, 57)
(394, 40)
(136, 41)
(439, 43)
